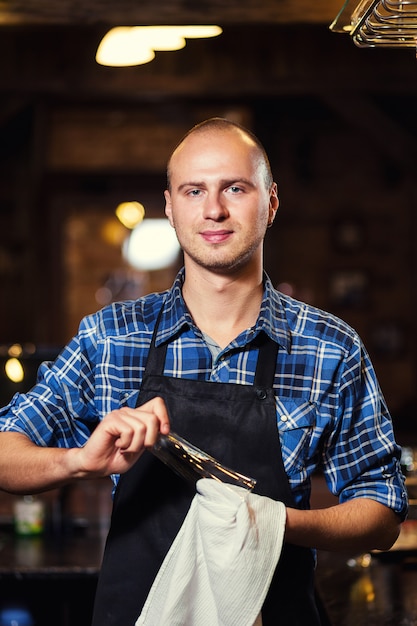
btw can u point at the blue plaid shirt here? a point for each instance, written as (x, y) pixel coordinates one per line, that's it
(330, 411)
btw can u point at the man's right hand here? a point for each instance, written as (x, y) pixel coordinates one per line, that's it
(121, 437)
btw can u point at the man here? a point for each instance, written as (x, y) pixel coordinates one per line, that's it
(270, 386)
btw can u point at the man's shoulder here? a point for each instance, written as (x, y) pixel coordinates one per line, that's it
(127, 317)
(311, 321)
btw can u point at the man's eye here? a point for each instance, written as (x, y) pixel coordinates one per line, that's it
(194, 192)
(235, 189)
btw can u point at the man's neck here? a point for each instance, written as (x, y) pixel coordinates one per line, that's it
(223, 306)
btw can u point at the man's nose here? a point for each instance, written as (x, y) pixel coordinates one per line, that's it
(215, 207)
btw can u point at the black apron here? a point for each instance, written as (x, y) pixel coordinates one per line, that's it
(236, 424)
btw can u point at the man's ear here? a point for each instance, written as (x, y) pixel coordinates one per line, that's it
(168, 206)
(273, 203)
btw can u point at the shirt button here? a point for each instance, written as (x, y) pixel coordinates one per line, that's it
(284, 418)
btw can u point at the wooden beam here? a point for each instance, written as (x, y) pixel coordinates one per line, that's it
(126, 12)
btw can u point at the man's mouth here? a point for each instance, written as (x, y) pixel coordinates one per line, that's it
(216, 236)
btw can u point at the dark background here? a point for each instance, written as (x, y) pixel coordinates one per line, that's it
(339, 124)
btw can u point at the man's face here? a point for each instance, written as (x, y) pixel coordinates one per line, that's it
(219, 204)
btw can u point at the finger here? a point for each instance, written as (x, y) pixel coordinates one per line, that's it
(158, 407)
(140, 427)
(130, 438)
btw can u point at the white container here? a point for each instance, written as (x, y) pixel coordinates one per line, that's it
(29, 516)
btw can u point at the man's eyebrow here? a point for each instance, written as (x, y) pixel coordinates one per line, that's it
(190, 184)
(237, 181)
(225, 182)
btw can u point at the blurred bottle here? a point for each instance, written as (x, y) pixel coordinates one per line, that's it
(29, 516)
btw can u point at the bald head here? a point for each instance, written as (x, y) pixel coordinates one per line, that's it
(221, 125)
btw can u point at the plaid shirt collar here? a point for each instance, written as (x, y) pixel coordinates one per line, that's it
(272, 319)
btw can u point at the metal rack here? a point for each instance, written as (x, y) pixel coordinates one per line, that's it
(373, 23)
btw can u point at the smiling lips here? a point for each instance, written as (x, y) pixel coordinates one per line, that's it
(216, 236)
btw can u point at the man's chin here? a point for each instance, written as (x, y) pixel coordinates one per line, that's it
(223, 267)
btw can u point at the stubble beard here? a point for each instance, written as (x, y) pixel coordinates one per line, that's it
(223, 261)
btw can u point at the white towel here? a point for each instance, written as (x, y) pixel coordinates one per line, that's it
(219, 567)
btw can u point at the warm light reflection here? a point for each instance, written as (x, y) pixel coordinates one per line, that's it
(14, 370)
(152, 245)
(362, 591)
(125, 46)
(113, 232)
(130, 214)
(15, 350)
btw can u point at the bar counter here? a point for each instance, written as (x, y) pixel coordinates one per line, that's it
(54, 577)
(369, 590)
(57, 576)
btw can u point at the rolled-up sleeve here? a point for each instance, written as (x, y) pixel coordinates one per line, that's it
(362, 458)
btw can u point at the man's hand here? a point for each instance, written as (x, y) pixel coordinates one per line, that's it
(119, 440)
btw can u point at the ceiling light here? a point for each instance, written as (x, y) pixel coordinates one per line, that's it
(120, 47)
(199, 32)
(161, 37)
(125, 46)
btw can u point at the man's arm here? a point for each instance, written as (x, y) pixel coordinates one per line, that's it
(114, 446)
(359, 525)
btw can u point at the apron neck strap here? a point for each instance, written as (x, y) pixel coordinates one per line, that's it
(267, 361)
(156, 356)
